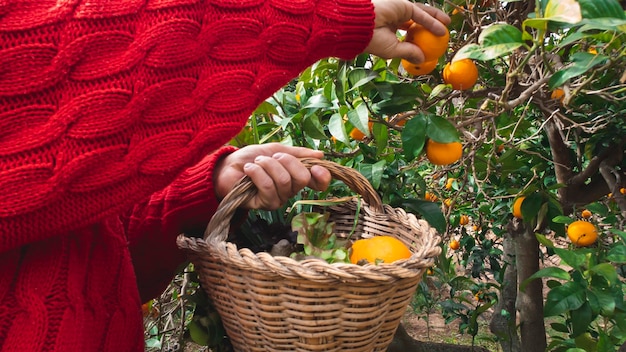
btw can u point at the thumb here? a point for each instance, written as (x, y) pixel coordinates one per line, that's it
(408, 51)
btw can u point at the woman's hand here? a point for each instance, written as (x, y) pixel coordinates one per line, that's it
(274, 169)
(390, 15)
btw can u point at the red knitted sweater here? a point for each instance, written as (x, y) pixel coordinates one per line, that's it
(104, 107)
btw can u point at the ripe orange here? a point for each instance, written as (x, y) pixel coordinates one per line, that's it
(454, 245)
(464, 220)
(358, 135)
(419, 69)
(448, 202)
(449, 183)
(461, 74)
(585, 214)
(582, 233)
(431, 45)
(517, 207)
(431, 197)
(622, 190)
(558, 94)
(443, 153)
(384, 249)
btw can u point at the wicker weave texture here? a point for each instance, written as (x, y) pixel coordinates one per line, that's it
(279, 304)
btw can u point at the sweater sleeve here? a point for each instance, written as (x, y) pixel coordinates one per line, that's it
(186, 205)
(106, 103)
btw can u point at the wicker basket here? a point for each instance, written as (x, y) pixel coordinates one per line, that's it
(279, 304)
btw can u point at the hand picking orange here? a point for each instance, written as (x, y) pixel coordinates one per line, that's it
(432, 46)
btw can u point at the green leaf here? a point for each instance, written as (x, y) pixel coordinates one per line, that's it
(617, 254)
(531, 206)
(337, 128)
(317, 101)
(554, 272)
(607, 271)
(441, 130)
(564, 298)
(562, 219)
(198, 334)
(414, 137)
(601, 302)
(567, 11)
(430, 211)
(153, 342)
(572, 258)
(581, 63)
(581, 319)
(360, 76)
(598, 208)
(437, 90)
(313, 128)
(544, 240)
(495, 41)
(359, 118)
(620, 233)
(266, 108)
(601, 8)
(373, 172)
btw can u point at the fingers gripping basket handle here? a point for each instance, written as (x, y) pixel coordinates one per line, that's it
(244, 190)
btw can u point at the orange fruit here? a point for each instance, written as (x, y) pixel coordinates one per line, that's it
(431, 197)
(585, 214)
(358, 135)
(432, 46)
(582, 233)
(386, 249)
(449, 183)
(464, 220)
(622, 190)
(517, 207)
(461, 74)
(558, 94)
(424, 68)
(454, 245)
(443, 153)
(448, 202)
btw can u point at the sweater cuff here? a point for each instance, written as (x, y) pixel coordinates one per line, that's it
(348, 24)
(198, 201)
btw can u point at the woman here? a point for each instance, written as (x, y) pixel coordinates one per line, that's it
(108, 110)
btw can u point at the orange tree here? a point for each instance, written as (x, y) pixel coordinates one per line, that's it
(544, 120)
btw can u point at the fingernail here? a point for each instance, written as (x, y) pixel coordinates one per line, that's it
(248, 166)
(278, 155)
(259, 158)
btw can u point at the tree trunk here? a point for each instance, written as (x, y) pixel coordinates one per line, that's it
(530, 301)
(504, 320)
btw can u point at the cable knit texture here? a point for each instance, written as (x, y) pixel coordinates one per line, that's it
(104, 107)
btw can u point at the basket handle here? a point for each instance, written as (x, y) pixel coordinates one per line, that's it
(244, 190)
